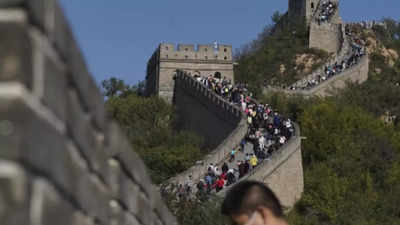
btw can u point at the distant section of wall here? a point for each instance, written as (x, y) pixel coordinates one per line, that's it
(356, 74)
(203, 60)
(221, 124)
(61, 161)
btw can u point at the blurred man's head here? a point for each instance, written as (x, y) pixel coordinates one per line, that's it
(253, 203)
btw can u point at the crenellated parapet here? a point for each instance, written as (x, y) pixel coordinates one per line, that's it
(202, 60)
(190, 52)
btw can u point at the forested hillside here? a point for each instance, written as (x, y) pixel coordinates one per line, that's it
(149, 125)
(277, 58)
(351, 154)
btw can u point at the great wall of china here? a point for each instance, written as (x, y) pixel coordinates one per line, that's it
(52, 114)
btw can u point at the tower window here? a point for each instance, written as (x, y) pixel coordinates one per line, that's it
(225, 50)
(186, 57)
(226, 58)
(166, 56)
(186, 49)
(312, 5)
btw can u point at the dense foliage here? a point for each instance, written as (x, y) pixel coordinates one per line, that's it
(148, 123)
(271, 59)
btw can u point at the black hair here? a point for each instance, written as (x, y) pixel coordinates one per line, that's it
(247, 196)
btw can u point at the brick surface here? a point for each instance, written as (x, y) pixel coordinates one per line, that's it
(14, 207)
(55, 88)
(137, 169)
(78, 73)
(85, 174)
(78, 123)
(96, 105)
(93, 197)
(63, 36)
(15, 54)
(42, 14)
(48, 206)
(129, 219)
(129, 194)
(79, 218)
(10, 3)
(145, 211)
(112, 174)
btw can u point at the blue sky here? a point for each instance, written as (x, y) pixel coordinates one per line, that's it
(118, 37)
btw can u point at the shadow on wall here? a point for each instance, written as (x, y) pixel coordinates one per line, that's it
(203, 112)
(218, 118)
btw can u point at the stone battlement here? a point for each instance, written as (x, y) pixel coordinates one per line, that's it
(196, 53)
(201, 60)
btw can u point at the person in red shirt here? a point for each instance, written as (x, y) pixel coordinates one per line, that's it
(220, 184)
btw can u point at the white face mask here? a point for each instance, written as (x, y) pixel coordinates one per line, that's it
(252, 219)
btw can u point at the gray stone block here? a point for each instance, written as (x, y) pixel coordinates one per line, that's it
(116, 212)
(112, 174)
(163, 211)
(63, 36)
(14, 207)
(10, 3)
(15, 54)
(42, 14)
(136, 167)
(78, 73)
(145, 211)
(115, 140)
(129, 219)
(96, 105)
(79, 218)
(11, 111)
(48, 206)
(78, 123)
(94, 197)
(55, 88)
(129, 193)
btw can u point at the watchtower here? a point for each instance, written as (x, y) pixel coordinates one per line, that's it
(300, 10)
(202, 60)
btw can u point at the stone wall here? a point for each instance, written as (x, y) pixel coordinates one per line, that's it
(61, 161)
(221, 124)
(356, 74)
(326, 36)
(283, 172)
(202, 60)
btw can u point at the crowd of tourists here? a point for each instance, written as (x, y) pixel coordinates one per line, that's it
(267, 132)
(327, 10)
(369, 24)
(356, 52)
